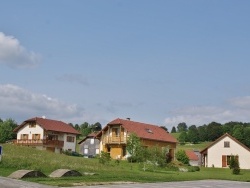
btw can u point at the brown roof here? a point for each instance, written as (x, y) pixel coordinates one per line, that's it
(50, 125)
(143, 130)
(191, 155)
(220, 138)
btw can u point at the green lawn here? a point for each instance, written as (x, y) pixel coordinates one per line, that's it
(17, 157)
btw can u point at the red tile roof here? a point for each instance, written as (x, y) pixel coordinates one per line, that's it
(191, 155)
(143, 130)
(50, 125)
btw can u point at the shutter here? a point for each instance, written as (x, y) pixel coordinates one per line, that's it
(224, 161)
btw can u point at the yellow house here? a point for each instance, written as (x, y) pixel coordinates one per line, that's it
(113, 137)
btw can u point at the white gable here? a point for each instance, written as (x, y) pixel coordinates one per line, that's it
(227, 146)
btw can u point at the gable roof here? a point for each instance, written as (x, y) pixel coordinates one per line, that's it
(191, 155)
(50, 125)
(91, 135)
(143, 130)
(220, 138)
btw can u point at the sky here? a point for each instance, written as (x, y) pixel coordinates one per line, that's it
(160, 62)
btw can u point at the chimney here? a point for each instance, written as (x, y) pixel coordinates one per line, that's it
(128, 119)
(43, 117)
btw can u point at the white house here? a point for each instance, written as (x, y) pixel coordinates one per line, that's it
(46, 134)
(218, 153)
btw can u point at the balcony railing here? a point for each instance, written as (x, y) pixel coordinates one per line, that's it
(114, 140)
(39, 142)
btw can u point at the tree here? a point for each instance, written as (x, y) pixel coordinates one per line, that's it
(6, 130)
(182, 157)
(97, 127)
(85, 129)
(247, 136)
(134, 147)
(173, 129)
(193, 135)
(182, 127)
(183, 137)
(202, 132)
(238, 133)
(165, 128)
(214, 131)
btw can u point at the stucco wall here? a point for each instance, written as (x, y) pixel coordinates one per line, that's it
(214, 153)
(69, 145)
(29, 131)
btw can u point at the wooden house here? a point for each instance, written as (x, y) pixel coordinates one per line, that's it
(113, 137)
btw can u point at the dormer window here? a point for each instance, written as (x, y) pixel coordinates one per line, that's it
(149, 131)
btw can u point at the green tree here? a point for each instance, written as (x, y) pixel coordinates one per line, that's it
(182, 127)
(97, 127)
(234, 164)
(182, 157)
(134, 147)
(202, 132)
(238, 132)
(193, 135)
(6, 130)
(182, 137)
(173, 129)
(247, 136)
(214, 131)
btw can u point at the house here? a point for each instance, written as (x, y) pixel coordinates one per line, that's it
(194, 159)
(113, 137)
(89, 146)
(46, 134)
(218, 153)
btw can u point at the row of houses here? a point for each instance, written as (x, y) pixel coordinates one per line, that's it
(58, 136)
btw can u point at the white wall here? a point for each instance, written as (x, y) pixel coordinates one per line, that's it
(216, 151)
(69, 145)
(27, 130)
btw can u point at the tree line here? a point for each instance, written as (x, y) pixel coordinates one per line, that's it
(210, 132)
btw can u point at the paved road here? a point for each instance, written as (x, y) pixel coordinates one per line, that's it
(13, 183)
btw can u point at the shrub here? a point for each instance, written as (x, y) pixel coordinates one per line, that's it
(104, 158)
(182, 157)
(234, 165)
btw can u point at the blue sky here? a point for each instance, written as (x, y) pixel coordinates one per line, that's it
(160, 62)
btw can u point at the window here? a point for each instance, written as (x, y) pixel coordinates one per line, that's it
(92, 141)
(226, 144)
(24, 136)
(36, 136)
(70, 139)
(86, 151)
(32, 124)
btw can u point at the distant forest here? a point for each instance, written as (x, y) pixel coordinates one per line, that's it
(212, 131)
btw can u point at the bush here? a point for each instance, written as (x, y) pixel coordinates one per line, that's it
(234, 164)
(182, 157)
(104, 158)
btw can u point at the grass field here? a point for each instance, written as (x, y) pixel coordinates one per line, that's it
(18, 157)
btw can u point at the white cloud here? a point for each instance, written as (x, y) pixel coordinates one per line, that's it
(14, 55)
(20, 104)
(237, 109)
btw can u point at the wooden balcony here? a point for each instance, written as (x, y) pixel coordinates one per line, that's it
(32, 142)
(114, 140)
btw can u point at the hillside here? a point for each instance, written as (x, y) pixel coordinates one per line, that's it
(18, 157)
